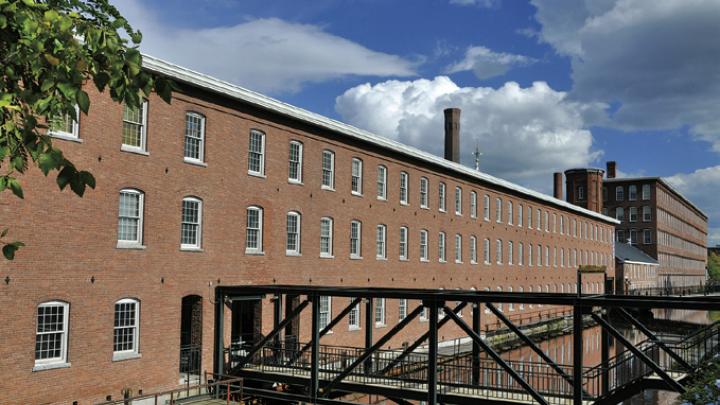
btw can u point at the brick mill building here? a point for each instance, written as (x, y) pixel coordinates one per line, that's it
(227, 187)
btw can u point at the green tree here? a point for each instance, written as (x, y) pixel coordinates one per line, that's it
(49, 49)
(714, 266)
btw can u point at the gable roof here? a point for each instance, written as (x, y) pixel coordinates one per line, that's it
(232, 91)
(626, 252)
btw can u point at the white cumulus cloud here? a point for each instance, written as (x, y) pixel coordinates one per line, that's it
(702, 187)
(524, 133)
(656, 61)
(485, 63)
(267, 55)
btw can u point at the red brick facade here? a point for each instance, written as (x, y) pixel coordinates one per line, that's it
(72, 254)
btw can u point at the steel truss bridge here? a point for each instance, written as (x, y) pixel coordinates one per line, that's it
(324, 374)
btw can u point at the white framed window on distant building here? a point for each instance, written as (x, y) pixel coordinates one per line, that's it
(355, 239)
(498, 210)
(632, 192)
(295, 162)
(619, 193)
(458, 248)
(499, 251)
(381, 182)
(65, 126)
(254, 230)
(194, 145)
(424, 187)
(51, 335)
(473, 205)
(191, 224)
(441, 197)
(645, 192)
(402, 309)
(403, 243)
(354, 318)
(423, 245)
(126, 333)
(356, 179)
(458, 201)
(510, 212)
(486, 207)
(326, 237)
(325, 311)
(473, 249)
(646, 213)
(379, 311)
(256, 153)
(441, 247)
(328, 170)
(404, 187)
(486, 251)
(381, 242)
(135, 128)
(292, 239)
(130, 218)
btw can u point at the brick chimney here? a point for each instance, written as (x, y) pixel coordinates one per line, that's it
(452, 134)
(557, 185)
(611, 168)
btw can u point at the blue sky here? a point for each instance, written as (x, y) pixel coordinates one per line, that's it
(544, 84)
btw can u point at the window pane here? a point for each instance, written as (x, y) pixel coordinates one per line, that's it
(194, 136)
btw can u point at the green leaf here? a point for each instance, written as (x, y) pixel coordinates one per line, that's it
(88, 179)
(67, 89)
(15, 187)
(4, 232)
(77, 185)
(83, 101)
(101, 80)
(65, 176)
(9, 251)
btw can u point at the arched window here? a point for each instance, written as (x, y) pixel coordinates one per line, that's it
(254, 231)
(126, 333)
(458, 248)
(293, 229)
(130, 218)
(498, 251)
(473, 249)
(51, 334)
(191, 223)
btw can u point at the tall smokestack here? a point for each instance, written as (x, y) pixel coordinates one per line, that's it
(557, 185)
(611, 168)
(452, 134)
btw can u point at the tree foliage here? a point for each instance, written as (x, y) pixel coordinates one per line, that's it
(714, 266)
(49, 49)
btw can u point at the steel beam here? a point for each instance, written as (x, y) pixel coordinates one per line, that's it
(314, 351)
(369, 325)
(432, 379)
(496, 357)
(219, 366)
(578, 350)
(655, 339)
(274, 332)
(420, 341)
(475, 346)
(605, 357)
(367, 353)
(674, 385)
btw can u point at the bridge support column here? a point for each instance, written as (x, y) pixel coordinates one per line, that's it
(369, 325)
(219, 366)
(314, 349)
(605, 356)
(277, 315)
(577, 354)
(475, 345)
(432, 354)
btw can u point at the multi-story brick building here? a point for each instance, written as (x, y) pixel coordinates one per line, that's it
(654, 217)
(226, 187)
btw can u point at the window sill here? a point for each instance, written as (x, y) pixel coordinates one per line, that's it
(126, 356)
(384, 259)
(65, 137)
(132, 149)
(191, 249)
(458, 214)
(295, 182)
(327, 256)
(353, 328)
(442, 261)
(382, 199)
(356, 194)
(326, 188)
(458, 262)
(473, 262)
(404, 204)
(355, 257)
(443, 211)
(50, 366)
(424, 208)
(255, 174)
(131, 246)
(293, 254)
(404, 259)
(380, 325)
(424, 261)
(254, 253)
(194, 162)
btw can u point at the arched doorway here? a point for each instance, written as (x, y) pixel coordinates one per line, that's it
(191, 338)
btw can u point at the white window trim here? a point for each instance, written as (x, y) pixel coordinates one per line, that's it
(198, 244)
(486, 208)
(424, 204)
(331, 253)
(261, 172)
(75, 135)
(201, 152)
(406, 176)
(442, 197)
(426, 257)
(329, 312)
(359, 240)
(297, 250)
(125, 244)
(330, 187)
(473, 249)
(383, 321)
(458, 248)
(473, 204)
(442, 253)
(358, 192)
(355, 326)
(383, 197)
(259, 249)
(56, 362)
(142, 149)
(458, 200)
(135, 351)
(383, 255)
(299, 178)
(404, 255)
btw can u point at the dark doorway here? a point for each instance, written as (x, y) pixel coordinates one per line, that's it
(191, 338)
(246, 325)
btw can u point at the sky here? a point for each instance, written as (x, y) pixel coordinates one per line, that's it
(544, 85)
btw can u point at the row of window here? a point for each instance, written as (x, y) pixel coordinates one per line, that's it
(670, 240)
(632, 193)
(51, 334)
(678, 262)
(666, 218)
(631, 236)
(632, 214)
(670, 202)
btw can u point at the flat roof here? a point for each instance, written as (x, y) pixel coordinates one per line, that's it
(233, 91)
(664, 183)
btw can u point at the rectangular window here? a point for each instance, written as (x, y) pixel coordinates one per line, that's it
(530, 255)
(520, 215)
(328, 170)
(547, 222)
(256, 153)
(547, 256)
(194, 137)
(326, 237)
(381, 235)
(441, 247)
(486, 251)
(295, 162)
(402, 309)
(253, 236)
(620, 236)
(633, 214)
(125, 333)
(190, 230)
(134, 127)
(404, 181)
(620, 214)
(382, 183)
(632, 193)
(510, 212)
(354, 318)
(423, 192)
(529, 217)
(498, 210)
(647, 216)
(325, 312)
(633, 236)
(356, 179)
(355, 238)
(538, 219)
(473, 250)
(521, 254)
(646, 192)
(292, 245)
(473, 204)
(379, 311)
(458, 248)
(130, 217)
(403, 243)
(441, 197)
(510, 252)
(486, 207)
(498, 251)
(51, 333)
(65, 126)
(581, 193)
(619, 193)
(647, 236)
(538, 257)
(423, 245)
(458, 201)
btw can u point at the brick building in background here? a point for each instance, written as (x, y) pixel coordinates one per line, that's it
(226, 187)
(653, 216)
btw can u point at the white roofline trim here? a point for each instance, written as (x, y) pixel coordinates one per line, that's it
(645, 263)
(236, 92)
